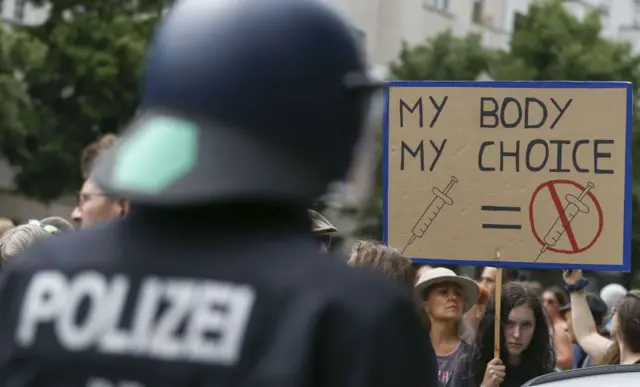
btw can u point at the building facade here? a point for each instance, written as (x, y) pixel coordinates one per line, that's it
(385, 24)
(22, 12)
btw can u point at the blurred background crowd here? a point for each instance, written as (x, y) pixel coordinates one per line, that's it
(573, 324)
(68, 76)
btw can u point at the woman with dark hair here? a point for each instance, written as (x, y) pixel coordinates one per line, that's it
(552, 299)
(526, 350)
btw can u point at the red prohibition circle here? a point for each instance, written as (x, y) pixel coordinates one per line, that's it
(581, 188)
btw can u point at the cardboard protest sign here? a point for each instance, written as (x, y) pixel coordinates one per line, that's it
(540, 171)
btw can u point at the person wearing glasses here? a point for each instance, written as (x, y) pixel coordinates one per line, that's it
(322, 229)
(93, 204)
(214, 278)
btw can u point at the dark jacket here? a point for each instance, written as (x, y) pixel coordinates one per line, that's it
(219, 301)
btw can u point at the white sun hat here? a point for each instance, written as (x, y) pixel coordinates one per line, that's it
(470, 289)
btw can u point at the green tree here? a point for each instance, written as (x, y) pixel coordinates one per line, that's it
(86, 86)
(552, 44)
(19, 53)
(444, 58)
(549, 44)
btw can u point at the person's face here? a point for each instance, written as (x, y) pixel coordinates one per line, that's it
(488, 278)
(444, 302)
(572, 336)
(550, 303)
(94, 206)
(519, 330)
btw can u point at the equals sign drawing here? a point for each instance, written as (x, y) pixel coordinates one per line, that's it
(501, 226)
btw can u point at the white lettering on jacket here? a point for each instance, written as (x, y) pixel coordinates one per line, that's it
(214, 314)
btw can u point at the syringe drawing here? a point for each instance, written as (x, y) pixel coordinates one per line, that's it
(441, 197)
(574, 206)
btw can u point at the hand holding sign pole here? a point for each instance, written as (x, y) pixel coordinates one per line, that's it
(574, 206)
(498, 310)
(426, 219)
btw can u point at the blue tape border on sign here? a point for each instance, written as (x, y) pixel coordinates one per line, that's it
(626, 259)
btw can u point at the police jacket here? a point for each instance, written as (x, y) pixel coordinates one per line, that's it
(204, 298)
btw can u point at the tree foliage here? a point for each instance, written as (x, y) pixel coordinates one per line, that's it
(84, 86)
(19, 53)
(552, 44)
(549, 44)
(446, 57)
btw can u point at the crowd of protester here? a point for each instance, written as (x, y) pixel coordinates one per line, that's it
(542, 330)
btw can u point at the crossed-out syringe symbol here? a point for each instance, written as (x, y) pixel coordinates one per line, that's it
(426, 219)
(574, 206)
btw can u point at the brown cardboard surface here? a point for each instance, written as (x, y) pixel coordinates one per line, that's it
(507, 209)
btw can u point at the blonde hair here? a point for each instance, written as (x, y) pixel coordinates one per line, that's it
(18, 239)
(5, 225)
(93, 151)
(390, 263)
(383, 259)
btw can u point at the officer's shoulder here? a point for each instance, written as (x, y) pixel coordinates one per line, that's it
(356, 287)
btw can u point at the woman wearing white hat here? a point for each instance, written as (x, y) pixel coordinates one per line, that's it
(447, 297)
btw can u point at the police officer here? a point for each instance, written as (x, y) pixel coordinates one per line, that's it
(214, 279)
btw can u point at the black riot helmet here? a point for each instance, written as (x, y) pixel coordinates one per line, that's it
(243, 99)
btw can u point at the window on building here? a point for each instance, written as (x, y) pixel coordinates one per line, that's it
(442, 5)
(478, 11)
(18, 10)
(518, 21)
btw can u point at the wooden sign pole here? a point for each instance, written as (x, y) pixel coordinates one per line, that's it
(498, 307)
